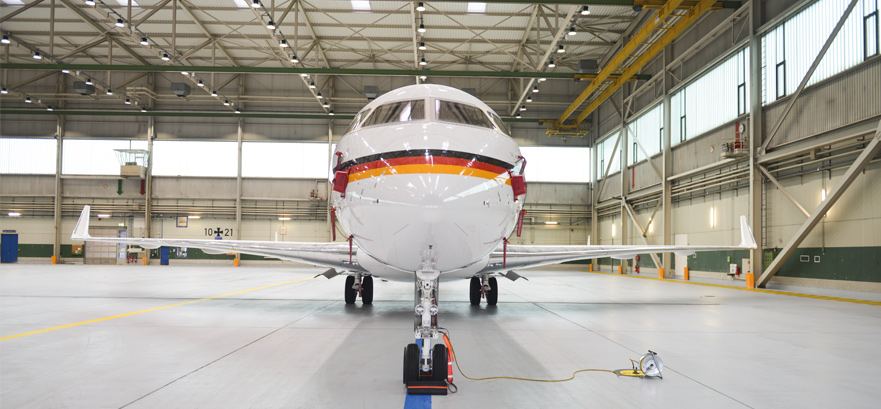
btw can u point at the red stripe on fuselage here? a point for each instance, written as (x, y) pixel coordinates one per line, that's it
(426, 160)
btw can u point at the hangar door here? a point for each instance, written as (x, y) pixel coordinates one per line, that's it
(102, 253)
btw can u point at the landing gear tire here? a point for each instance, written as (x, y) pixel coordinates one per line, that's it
(367, 290)
(439, 363)
(474, 294)
(350, 292)
(411, 363)
(492, 296)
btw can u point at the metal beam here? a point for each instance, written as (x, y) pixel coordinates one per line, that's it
(807, 77)
(644, 59)
(284, 70)
(85, 17)
(6, 111)
(783, 190)
(642, 233)
(23, 8)
(625, 53)
(873, 147)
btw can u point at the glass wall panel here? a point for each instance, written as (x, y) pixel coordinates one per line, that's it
(27, 156)
(284, 160)
(605, 148)
(553, 164)
(195, 158)
(647, 130)
(94, 156)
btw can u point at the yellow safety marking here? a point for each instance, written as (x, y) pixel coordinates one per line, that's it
(758, 290)
(76, 324)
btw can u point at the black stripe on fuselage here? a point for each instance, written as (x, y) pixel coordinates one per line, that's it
(424, 152)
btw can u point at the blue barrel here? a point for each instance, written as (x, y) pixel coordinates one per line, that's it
(163, 255)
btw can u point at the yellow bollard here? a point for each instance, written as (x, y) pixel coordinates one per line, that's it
(686, 273)
(144, 260)
(235, 261)
(661, 273)
(54, 260)
(590, 267)
(750, 280)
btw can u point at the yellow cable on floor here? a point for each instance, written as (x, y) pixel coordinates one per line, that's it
(453, 353)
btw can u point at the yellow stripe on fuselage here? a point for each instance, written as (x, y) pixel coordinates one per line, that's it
(429, 169)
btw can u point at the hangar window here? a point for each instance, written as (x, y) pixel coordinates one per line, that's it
(462, 114)
(94, 156)
(713, 99)
(787, 57)
(607, 153)
(644, 133)
(284, 160)
(556, 164)
(401, 111)
(27, 156)
(357, 120)
(195, 158)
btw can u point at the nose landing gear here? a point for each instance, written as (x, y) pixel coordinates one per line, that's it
(425, 367)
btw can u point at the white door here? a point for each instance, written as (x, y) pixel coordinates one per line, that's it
(680, 261)
(101, 253)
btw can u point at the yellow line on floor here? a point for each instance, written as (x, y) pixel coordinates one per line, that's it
(76, 324)
(758, 290)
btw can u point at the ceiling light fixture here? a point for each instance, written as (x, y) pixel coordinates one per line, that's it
(522, 107)
(238, 111)
(65, 71)
(561, 49)
(421, 28)
(529, 98)
(422, 46)
(542, 79)
(572, 31)
(518, 115)
(27, 100)
(422, 61)
(88, 81)
(294, 59)
(283, 43)
(213, 92)
(109, 91)
(184, 73)
(90, 3)
(326, 104)
(165, 57)
(119, 23)
(5, 40)
(585, 11)
(271, 25)
(423, 77)
(312, 84)
(200, 83)
(226, 102)
(194, 217)
(143, 109)
(551, 223)
(319, 96)
(49, 108)
(255, 4)
(420, 7)
(128, 101)
(551, 64)
(14, 214)
(304, 74)
(144, 41)
(37, 56)
(535, 89)
(4, 91)
(330, 113)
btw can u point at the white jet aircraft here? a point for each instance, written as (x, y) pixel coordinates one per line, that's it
(428, 184)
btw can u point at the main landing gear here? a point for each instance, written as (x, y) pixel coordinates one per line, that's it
(484, 287)
(426, 366)
(358, 285)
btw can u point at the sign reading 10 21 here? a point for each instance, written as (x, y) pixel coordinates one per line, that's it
(219, 232)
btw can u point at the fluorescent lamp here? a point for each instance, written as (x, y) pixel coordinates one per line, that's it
(823, 195)
(284, 219)
(712, 217)
(194, 217)
(242, 4)
(14, 214)
(103, 216)
(360, 5)
(124, 3)
(613, 229)
(551, 223)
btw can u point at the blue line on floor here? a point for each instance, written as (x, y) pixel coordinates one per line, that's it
(417, 402)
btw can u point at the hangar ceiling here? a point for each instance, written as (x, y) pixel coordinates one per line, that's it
(500, 49)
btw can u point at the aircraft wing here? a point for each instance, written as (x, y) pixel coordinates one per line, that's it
(520, 256)
(335, 255)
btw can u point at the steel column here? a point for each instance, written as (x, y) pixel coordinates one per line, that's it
(241, 135)
(756, 119)
(872, 147)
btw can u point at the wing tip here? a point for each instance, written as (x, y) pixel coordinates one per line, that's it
(747, 240)
(81, 230)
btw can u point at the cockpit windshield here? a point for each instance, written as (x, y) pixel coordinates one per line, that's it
(500, 126)
(357, 120)
(401, 111)
(461, 113)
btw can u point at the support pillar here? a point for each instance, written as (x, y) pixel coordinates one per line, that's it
(59, 150)
(241, 134)
(756, 114)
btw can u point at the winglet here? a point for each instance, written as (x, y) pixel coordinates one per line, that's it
(747, 240)
(81, 231)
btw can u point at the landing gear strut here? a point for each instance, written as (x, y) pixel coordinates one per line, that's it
(359, 285)
(484, 287)
(425, 366)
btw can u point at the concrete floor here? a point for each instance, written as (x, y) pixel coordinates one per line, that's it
(298, 345)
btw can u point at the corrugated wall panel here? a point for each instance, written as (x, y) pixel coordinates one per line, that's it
(848, 98)
(701, 151)
(643, 175)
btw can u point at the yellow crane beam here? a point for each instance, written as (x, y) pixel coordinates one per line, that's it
(626, 52)
(693, 14)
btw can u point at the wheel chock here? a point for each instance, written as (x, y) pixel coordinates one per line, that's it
(427, 387)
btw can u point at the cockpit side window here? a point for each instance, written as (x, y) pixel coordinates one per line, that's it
(357, 120)
(461, 113)
(401, 111)
(500, 126)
